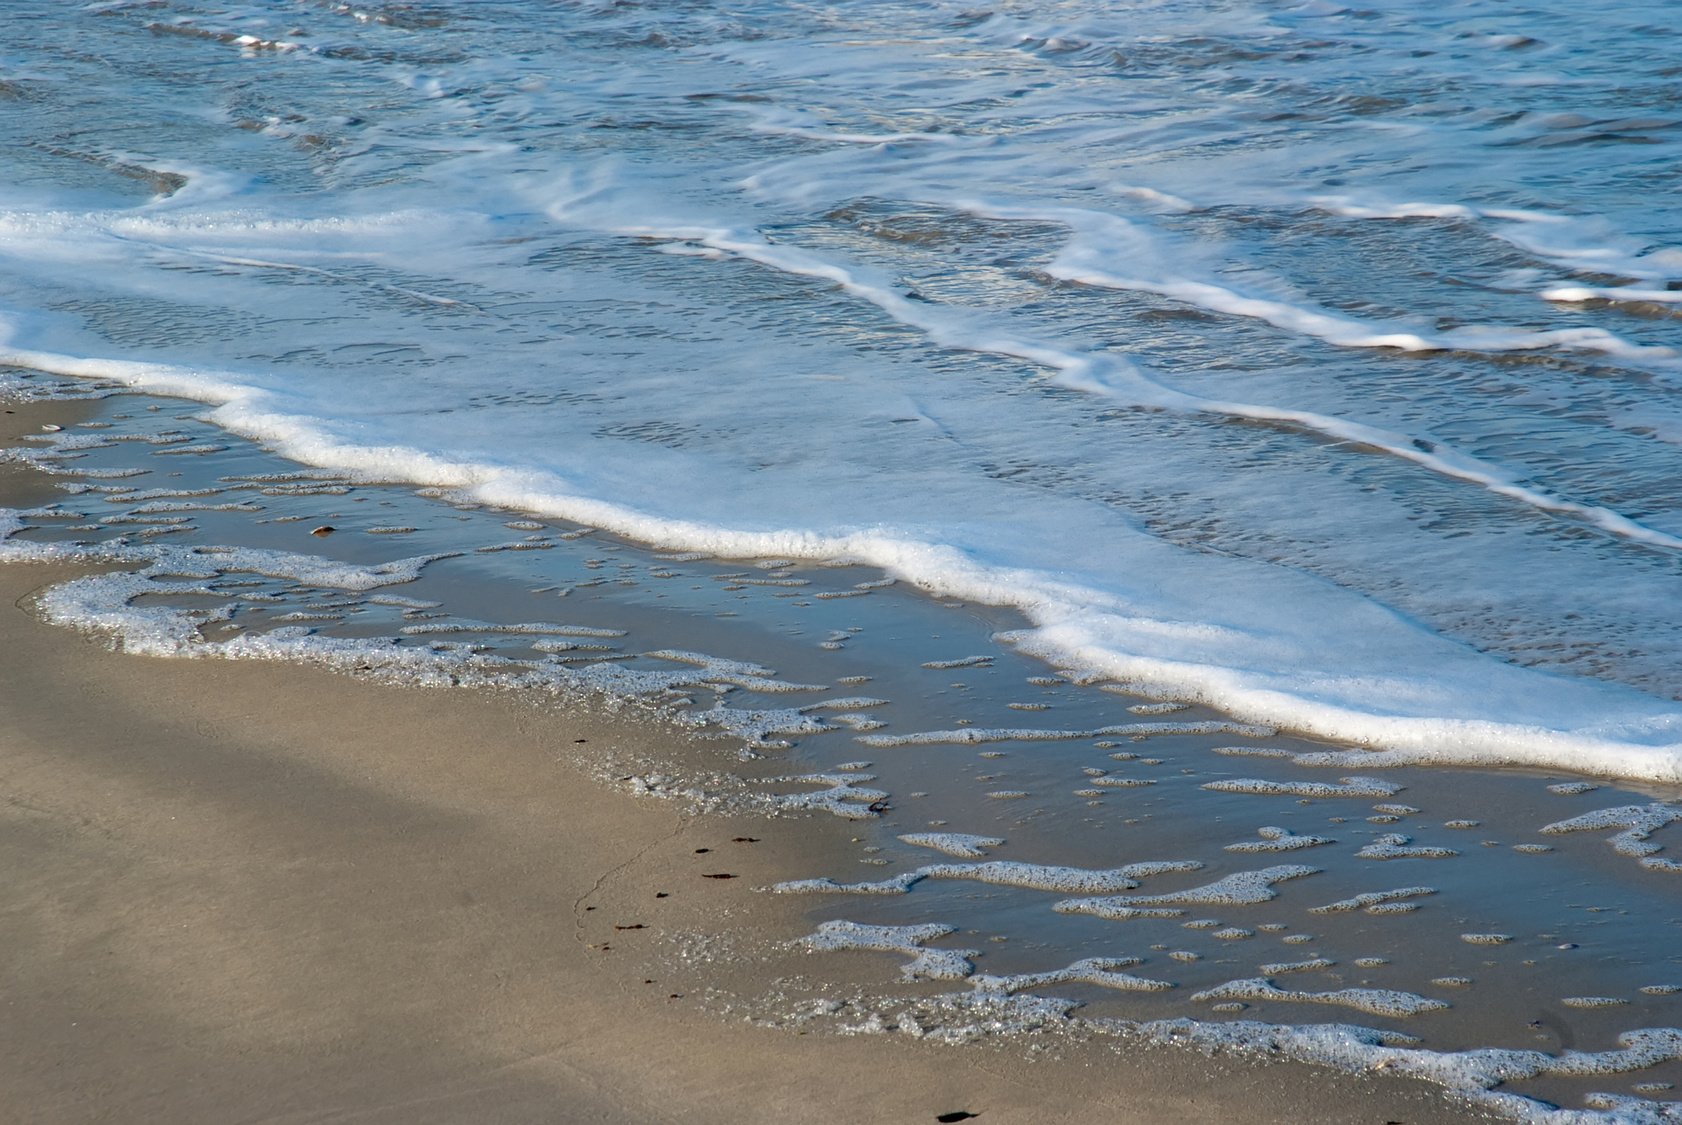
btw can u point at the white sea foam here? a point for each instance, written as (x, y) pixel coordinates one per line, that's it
(1181, 656)
(1375, 1001)
(111, 604)
(1279, 840)
(1638, 823)
(1243, 888)
(1278, 968)
(978, 735)
(1103, 243)
(1394, 845)
(1345, 787)
(929, 964)
(1101, 971)
(959, 844)
(840, 794)
(533, 628)
(1371, 899)
(1029, 876)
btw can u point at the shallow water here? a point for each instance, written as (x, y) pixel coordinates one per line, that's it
(1301, 366)
(1142, 859)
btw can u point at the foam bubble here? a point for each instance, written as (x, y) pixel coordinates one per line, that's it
(1243, 888)
(1100, 971)
(1376, 1001)
(1279, 968)
(979, 735)
(1638, 822)
(1394, 845)
(841, 794)
(1371, 899)
(925, 964)
(1346, 787)
(1029, 876)
(959, 844)
(1279, 840)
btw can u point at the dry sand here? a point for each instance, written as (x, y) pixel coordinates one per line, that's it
(242, 892)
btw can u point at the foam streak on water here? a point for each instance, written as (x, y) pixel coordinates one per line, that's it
(1344, 404)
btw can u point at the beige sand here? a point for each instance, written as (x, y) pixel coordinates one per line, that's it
(234, 892)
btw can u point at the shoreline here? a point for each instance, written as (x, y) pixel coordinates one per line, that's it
(243, 890)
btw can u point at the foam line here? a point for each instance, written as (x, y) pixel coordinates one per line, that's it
(1581, 244)
(1102, 633)
(1121, 379)
(1622, 293)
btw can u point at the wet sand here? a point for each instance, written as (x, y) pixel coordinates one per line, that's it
(255, 892)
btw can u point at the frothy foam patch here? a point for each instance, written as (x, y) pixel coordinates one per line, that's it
(1375, 1001)
(1475, 1073)
(1631, 293)
(964, 736)
(841, 794)
(1157, 708)
(959, 844)
(593, 208)
(1103, 783)
(1372, 899)
(1279, 840)
(1394, 845)
(1102, 242)
(1130, 652)
(1638, 823)
(1346, 787)
(534, 628)
(1279, 968)
(122, 606)
(962, 662)
(925, 964)
(1581, 243)
(849, 703)
(1242, 888)
(1029, 876)
(1100, 971)
(105, 602)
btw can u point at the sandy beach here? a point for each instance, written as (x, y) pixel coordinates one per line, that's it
(252, 892)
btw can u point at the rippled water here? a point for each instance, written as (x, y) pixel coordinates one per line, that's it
(1311, 361)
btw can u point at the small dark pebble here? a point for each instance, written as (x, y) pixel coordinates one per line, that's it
(956, 1115)
(632, 926)
(660, 894)
(745, 840)
(720, 875)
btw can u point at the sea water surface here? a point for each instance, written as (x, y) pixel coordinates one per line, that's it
(1312, 364)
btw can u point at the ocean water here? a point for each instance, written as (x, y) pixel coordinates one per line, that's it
(1310, 368)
